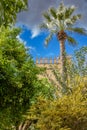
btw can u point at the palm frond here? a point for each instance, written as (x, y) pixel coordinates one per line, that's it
(60, 16)
(47, 16)
(48, 39)
(69, 21)
(71, 40)
(75, 18)
(43, 26)
(61, 6)
(81, 31)
(53, 12)
(69, 11)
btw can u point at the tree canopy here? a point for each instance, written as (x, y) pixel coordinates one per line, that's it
(17, 74)
(9, 10)
(19, 84)
(61, 19)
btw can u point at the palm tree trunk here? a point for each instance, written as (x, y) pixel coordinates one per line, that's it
(62, 56)
(63, 63)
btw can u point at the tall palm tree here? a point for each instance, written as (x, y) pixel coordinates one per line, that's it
(58, 21)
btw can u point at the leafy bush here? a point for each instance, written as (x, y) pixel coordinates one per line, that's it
(66, 113)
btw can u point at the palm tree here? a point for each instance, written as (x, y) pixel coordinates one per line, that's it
(58, 21)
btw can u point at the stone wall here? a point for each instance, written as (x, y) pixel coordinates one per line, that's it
(50, 64)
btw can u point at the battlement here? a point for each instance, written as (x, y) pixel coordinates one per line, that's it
(47, 60)
(56, 60)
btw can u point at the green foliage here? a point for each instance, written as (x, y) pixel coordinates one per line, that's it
(68, 112)
(45, 89)
(19, 83)
(53, 12)
(78, 30)
(77, 68)
(71, 40)
(9, 10)
(62, 19)
(17, 74)
(81, 61)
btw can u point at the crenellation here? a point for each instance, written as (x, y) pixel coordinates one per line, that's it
(55, 60)
(46, 60)
(37, 61)
(41, 61)
(51, 61)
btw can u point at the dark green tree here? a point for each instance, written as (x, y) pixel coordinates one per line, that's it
(17, 75)
(9, 10)
(19, 83)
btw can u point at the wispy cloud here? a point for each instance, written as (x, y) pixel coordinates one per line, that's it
(32, 48)
(21, 40)
(35, 32)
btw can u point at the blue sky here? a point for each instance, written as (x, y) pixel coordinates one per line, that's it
(38, 48)
(34, 39)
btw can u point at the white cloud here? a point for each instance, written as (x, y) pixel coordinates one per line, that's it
(32, 48)
(35, 32)
(21, 40)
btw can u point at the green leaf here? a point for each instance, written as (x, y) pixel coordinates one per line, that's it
(69, 11)
(71, 40)
(9, 10)
(53, 12)
(61, 6)
(81, 31)
(75, 18)
(43, 26)
(48, 39)
(47, 16)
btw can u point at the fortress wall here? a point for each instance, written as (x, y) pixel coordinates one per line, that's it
(50, 64)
